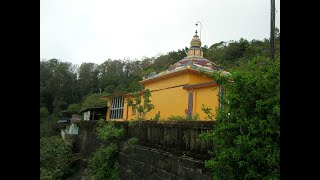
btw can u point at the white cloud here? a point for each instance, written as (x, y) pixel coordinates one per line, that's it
(95, 30)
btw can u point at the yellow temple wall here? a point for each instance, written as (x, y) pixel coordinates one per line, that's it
(199, 78)
(207, 96)
(128, 112)
(169, 82)
(169, 102)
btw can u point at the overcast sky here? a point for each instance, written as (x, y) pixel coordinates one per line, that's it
(95, 30)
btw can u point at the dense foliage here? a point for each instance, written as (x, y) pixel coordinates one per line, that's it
(55, 158)
(247, 133)
(103, 165)
(73, 109)
(93, 100)
(48, 123)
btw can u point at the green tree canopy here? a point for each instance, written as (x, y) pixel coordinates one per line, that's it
(74, 109)
(247, 133)
(94, 100)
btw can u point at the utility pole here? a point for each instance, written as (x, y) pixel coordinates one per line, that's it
(272, 29)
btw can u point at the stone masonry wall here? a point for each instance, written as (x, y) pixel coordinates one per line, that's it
(148, 160)
(140, 162)
(88, 141)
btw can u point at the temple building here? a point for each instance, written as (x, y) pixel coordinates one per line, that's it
(181, 90)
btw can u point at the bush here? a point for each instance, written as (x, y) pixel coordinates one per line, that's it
(133, 123)
(108, 132)
(44, 114)
(176, 118)
(181, 118)
(103, 164)
(55, 158)
(195, 117)
(156, 117)
(246, 135)
(50, 127)
(133, 141)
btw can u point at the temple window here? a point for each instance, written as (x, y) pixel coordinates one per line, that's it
(116, 109)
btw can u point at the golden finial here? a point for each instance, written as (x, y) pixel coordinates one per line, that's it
(195, 40)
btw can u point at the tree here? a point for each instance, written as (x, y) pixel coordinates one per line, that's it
(246, 135)
(93, 100)
(73, 109)
(88, 78)
(48, 123)
(57, 85)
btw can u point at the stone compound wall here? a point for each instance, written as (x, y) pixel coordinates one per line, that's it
(177, 137)
(165, 151)
(140, 162)
(88, 141)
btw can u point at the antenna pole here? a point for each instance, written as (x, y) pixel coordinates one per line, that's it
(200, 27)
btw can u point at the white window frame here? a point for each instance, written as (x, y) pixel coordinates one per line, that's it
(116, 108)
(86, 115)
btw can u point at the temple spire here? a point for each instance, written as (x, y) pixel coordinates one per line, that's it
(195, 42)
(195, 47)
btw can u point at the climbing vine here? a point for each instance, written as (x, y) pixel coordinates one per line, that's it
(142, 106)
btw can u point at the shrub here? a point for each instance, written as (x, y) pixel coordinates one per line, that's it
(44, 114)
(246, 134)
(176, 118)
(103, 164)
(55, 158)
(50, 127)
(133, 123)
(156, 117)
(195, 117)
(133, 141)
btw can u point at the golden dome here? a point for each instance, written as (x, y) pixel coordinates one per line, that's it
(195, 42)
